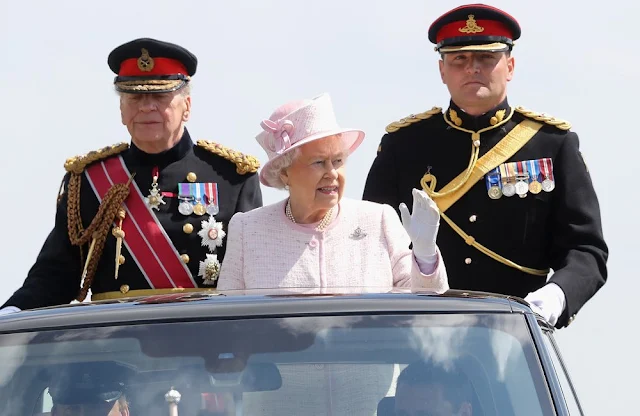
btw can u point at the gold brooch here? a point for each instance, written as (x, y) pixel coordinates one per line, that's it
(471, 26)
(145, 62)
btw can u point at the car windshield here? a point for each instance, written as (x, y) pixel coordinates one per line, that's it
(304, 365)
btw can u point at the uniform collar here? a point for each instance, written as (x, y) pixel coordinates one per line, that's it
(174, 154)
(493, 117)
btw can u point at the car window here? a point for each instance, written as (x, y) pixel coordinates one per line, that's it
(340, 365)
(566, 385)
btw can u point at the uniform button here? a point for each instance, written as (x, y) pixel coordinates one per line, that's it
(187, 228)
(191, 177)
(473, 218)
(185, 258)
(121, 259)
(467, 260)
(313, 243)
(124, 288)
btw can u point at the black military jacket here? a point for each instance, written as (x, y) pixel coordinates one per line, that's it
(560, 230)
(55, 278)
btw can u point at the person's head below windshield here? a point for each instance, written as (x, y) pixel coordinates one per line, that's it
(428, 389)
(90, 389)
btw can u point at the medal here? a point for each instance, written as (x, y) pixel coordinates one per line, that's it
(154, 199)
(186, 197)
(209, 269)
(522, 178)
(185, 207)
(508, 188)
(548, 184)
(521, 188)
(534, 186)
(212, 209)
(211, 233)
(495, 192)
(211, 195)
(493, 184)
(199, 209)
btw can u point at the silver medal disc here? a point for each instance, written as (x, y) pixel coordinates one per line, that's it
(548, 185)
(508, 189)
(185, 208)
(212, 209)
(521, 188)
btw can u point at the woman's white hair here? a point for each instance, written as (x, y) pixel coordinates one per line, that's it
(273, 173)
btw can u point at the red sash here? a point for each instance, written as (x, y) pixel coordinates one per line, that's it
(145, 239)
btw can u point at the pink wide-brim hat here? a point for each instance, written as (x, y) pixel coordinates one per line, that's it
(299, 122)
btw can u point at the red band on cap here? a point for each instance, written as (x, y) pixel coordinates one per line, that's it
(491, 28)
(161, 66)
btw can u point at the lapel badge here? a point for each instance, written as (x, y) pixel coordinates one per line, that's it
(211, 233)
(358, 234)
(209, 269)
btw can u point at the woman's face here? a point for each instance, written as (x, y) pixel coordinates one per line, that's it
(316, 177)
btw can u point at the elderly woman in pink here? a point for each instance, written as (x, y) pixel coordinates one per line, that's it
(315, 237)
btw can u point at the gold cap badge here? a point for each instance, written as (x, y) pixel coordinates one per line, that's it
(471, 26)
(145, 62)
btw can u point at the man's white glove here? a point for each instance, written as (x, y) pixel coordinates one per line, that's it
(9, 309)
(422, 225)
(548, 301)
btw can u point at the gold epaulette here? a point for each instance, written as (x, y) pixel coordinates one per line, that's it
(413, 118)
(244, 163)
(545, 118)
(77, 164)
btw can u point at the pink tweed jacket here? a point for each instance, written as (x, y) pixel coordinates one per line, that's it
(364, 246)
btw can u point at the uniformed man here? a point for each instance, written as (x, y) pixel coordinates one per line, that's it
(511, 183)
(148, 216)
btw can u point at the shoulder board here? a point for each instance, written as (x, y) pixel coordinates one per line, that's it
(413, 118)
(77, 164)
(545, 118)
(244, 163)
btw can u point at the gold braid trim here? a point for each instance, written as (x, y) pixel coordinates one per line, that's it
(97, 231)
(545, 118)
(244, 163)
(413, 118)
(428, 181)
(77, 164)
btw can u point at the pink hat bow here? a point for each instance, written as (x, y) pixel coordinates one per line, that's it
(281, 132)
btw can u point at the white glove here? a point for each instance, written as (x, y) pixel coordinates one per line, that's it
(548, 301)
(422, 225)
(9, 309)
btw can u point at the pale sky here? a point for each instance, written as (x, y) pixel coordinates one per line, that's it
(574, 61)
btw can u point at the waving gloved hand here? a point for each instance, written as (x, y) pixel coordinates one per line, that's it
(422, 225)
